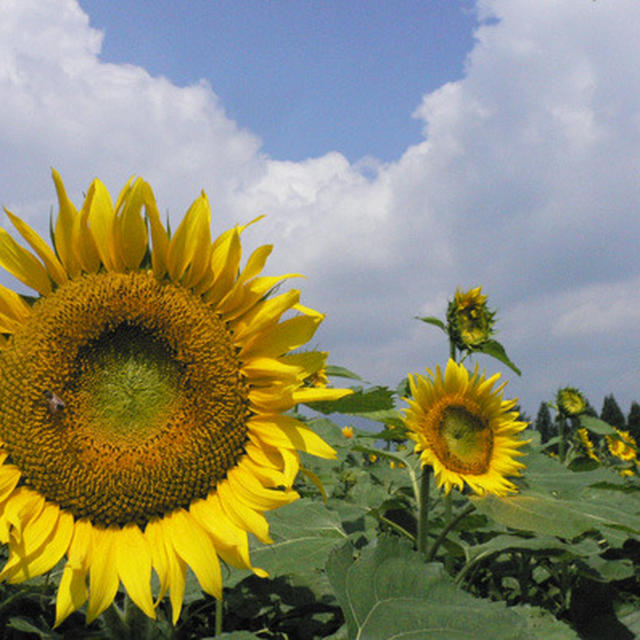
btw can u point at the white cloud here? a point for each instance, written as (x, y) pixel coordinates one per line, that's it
(526, 182)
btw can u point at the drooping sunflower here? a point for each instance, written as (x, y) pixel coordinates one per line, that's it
(142, 400)
(470, 321)
(465, 430)
(570, 401)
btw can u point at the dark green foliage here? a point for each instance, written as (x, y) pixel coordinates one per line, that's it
(633, 421)
(543, 423)
(612, 413)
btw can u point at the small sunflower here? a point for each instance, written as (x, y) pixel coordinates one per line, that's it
(570, 401)
(464, 429)
(470, 322)
(143, 399)
(623, 447)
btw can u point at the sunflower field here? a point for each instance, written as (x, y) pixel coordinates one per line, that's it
(176, 463)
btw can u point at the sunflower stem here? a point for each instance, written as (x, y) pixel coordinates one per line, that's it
(562, 445)
(448, 520)
(218, 629)
(423, 511)
(443, 534)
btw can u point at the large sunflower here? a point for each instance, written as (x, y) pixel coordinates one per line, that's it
(464, 430)
(142, 400)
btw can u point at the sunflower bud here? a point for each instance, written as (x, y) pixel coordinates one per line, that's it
(470, 322)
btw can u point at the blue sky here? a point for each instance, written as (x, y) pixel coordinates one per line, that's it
(398, 150)
(308, 77)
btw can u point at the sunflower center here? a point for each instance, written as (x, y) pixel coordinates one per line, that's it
(466, 441)
(122, 398)
(129, 382)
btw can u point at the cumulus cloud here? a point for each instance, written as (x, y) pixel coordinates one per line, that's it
(525, 182)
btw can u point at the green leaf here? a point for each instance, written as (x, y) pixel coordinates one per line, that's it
(436, 322)
(595, 425)
(303, 533)
(554, 516)
(360, 401)
(389, 592)
(494, 349)
(341, 372)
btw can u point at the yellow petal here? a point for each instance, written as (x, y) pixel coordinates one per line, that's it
(195, 547)
(51, 262)
(133, 558)
(190, 239)
(9, 478)
(23, 264)
(244, 296)
(154, 534)
(130, 229)
(255, 263)
(72, 593)
(52, 548)
(101, 218)
(171, 569)
(63, 235)
(265, 315)
(23, 505)
(285, 431)
(225, 261)
(251, 492)
(319, 394)
(159, 235)
(83, 242)
(281, 338)
(242, 515)
(103, 572)
(268, 368)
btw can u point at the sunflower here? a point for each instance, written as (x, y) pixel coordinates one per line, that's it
(143, 398)
(570, 401)
(622, 447)
(464, 429)
(470, 322)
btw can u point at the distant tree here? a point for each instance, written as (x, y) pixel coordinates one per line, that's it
(633, 421)
(612, 413)
(543, 423)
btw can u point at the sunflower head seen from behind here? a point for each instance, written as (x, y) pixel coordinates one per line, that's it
(143, 400)
(465, 430)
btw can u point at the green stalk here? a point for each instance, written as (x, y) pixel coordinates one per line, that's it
(423, 511)
(218, 630)
(562, 443)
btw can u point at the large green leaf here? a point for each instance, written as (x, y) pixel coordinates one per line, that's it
(595, 425)
(389, 592)
(554, 516)
(303, 533)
